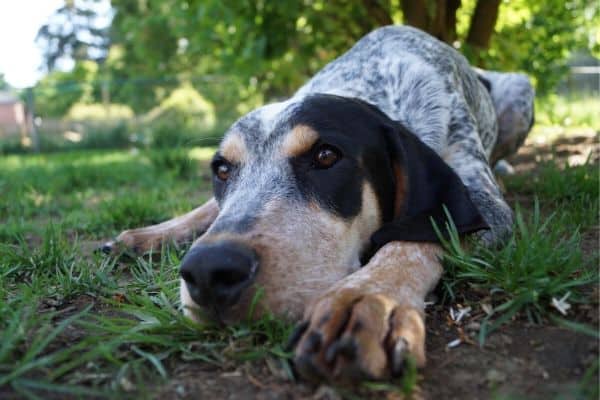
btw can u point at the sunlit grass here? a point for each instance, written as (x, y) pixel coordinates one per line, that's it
(581, 112)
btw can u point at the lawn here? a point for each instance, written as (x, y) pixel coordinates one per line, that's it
(74, 323)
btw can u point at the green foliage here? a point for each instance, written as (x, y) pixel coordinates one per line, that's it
(538, 36)
(105, 135)
(175, 160)
(239, 54)
(97, 111)
(268, 47)
(58, 91)
(184, 116)
(580, 112)
(272, 47)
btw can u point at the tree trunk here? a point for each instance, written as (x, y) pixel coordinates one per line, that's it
(451, 7)
(483, 23)
(440, 23)
(380, 13)
(437, 22)
(415, 13)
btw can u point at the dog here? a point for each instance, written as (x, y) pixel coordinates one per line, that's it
(326, 201)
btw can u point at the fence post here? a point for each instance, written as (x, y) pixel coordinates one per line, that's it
(30, 122)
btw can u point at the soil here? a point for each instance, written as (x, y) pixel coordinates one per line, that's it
(533, 362)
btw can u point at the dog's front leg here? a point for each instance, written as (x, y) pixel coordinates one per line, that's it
(179, 229)
(366, 325)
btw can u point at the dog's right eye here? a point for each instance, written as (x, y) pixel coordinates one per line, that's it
(221, 169)
(326, 156)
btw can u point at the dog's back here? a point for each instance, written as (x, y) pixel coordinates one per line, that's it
(429, 87)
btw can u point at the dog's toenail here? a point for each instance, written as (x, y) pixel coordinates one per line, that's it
(399, 356)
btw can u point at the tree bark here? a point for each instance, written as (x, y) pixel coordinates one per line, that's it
(437, 23)
(451, 7)
(483, 23)
(440, 23)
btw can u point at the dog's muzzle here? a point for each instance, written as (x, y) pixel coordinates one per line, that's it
(217, 273)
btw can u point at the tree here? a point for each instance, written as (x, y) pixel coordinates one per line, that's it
(75, 31)
(59, 90)
(280, 44)
(439, 19)
(254, 50)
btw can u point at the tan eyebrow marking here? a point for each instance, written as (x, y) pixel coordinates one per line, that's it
(234, 149)
(300, 139)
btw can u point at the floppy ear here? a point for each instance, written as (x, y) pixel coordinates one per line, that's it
(424, 185)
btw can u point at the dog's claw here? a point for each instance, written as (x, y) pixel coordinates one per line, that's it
(107, 248)
(296, 334)
(344, 347)
(353, 336)
(399, 356)
(313, 342)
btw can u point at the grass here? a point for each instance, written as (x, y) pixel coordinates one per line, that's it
(567, 112)
(541, 261)
(73, 323)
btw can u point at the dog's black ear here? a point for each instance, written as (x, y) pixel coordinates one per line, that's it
(424, 185)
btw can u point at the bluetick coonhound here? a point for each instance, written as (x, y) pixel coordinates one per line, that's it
(325, 200)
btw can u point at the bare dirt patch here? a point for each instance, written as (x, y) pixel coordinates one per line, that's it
(531, 361)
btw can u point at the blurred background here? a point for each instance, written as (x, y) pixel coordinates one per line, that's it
(100, 74)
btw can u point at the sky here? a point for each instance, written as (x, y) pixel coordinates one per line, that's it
(20, 57)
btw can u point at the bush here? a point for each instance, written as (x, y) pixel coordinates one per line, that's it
(176, 160)
(106, 136)
(581, 112)
(98, 111)
(180, 119)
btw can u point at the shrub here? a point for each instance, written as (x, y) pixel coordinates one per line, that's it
(179, 119)
(176, 160)
(98, 111)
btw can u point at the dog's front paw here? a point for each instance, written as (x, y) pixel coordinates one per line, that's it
(348, 335)
(133, 242)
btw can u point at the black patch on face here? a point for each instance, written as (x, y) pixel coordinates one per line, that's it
(355, 129)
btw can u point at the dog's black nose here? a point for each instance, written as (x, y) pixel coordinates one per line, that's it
(217, 273)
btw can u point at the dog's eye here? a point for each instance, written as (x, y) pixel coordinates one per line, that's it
(326, 156)
(222, 170)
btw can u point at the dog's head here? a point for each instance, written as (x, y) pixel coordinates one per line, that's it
(307, 190)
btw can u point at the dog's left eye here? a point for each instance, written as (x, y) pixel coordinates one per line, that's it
(221, 169)
(326, 156)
